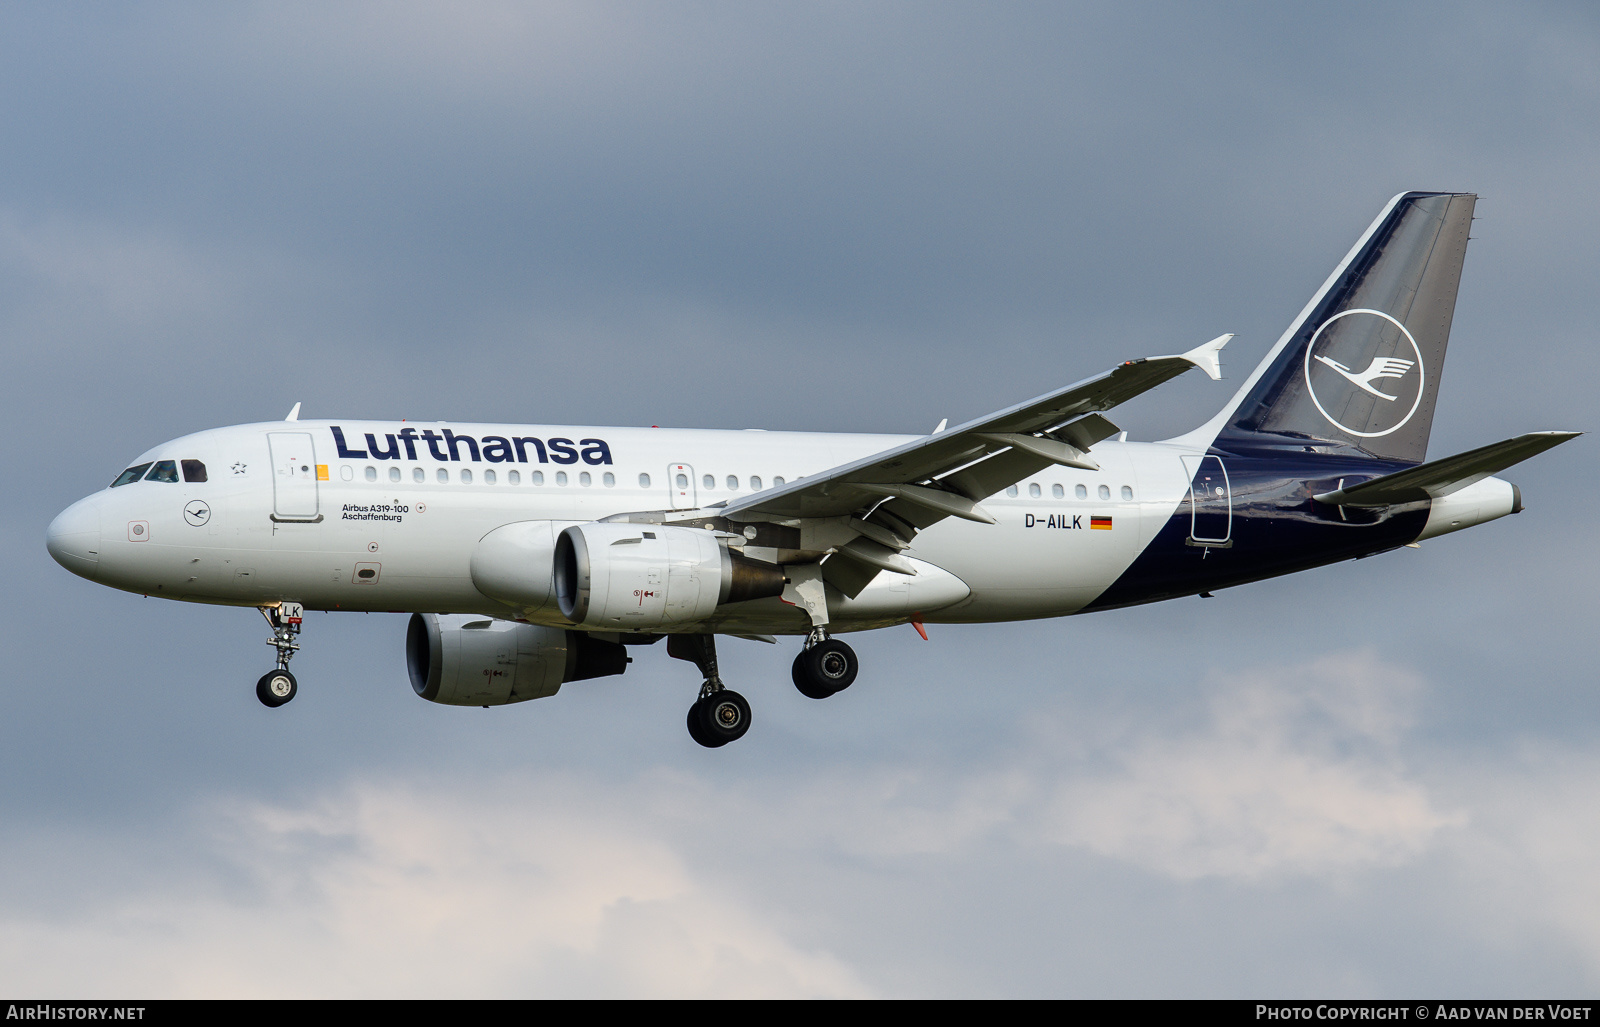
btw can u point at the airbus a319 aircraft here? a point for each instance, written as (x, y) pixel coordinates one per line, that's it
(532, 555)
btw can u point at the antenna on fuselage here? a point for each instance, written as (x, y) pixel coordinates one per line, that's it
(294, 415)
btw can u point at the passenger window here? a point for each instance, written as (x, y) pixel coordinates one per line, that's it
(466, 476)
(1105, 492)
(1011, 490)
(1033, 491)
(733, 483)
(610, 480)
(537, 477)
(561, 477)
(443, 475)
(683, 480)
(163, 470)
(777, 481)
(372, 474)
(709, 482)
(1127, 493)
(513, 477)
(1058, 492)
(418, 475)
(394, 474)
(755, 483)
(1081, 492)
(194, 470)
(131, 474)
(489, 478)
(644, 481)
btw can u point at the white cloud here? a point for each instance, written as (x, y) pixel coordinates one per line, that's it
(1292, 782)
(1294, 771)
(396, 890)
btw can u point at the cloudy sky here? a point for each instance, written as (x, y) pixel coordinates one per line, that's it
(1373, 779)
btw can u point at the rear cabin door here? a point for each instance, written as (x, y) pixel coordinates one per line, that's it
(1210, 502)
(294, 476)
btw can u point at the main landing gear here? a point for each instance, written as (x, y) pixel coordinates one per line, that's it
(277, 687)
(720, 715)
(825, 666)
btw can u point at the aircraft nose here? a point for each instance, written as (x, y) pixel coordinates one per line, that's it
(73, 538)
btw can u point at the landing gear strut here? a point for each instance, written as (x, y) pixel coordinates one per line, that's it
(720, 715)
(824, 667)
(277, 687)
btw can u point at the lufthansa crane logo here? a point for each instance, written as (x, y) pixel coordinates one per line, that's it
(1371, 401)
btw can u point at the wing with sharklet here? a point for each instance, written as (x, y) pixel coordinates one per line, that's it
(869, 510)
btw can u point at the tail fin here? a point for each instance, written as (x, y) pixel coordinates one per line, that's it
(1358, 371)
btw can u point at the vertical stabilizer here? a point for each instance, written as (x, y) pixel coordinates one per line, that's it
(1358, 372)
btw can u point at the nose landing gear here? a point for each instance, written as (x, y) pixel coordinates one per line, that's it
(277, 687)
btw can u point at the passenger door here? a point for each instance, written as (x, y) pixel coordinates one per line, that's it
(294, 476)
(1210, 502)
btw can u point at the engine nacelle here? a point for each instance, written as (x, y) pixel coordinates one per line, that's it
(466, 660)
(611, 576)
(513, 564)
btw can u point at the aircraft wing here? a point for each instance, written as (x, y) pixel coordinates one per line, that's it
(1452, 474)
(948, 473)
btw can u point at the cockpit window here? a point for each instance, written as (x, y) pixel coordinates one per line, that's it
(194, 470)
(163, 470)
(131, 474)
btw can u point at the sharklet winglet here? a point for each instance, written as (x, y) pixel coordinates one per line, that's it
(1208, 357)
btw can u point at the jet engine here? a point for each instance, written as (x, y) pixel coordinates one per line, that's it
(611, 576)
(466, 660)
(512, 564)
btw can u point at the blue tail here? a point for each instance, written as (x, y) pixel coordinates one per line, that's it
(1358, 371)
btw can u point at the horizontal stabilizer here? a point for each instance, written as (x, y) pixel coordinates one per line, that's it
(1441, 477)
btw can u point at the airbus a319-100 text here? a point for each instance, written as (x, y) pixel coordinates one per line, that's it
(531, 556)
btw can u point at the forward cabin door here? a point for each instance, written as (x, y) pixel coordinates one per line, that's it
(680, 483)
(1210, 502)
(294, 476)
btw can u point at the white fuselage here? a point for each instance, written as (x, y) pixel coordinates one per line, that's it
(286, 513)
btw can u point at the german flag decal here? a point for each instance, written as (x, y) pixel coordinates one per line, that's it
(1100, 523)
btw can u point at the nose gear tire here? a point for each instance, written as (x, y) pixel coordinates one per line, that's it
(276, 687)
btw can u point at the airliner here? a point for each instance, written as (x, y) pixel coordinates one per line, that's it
(529, 556)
